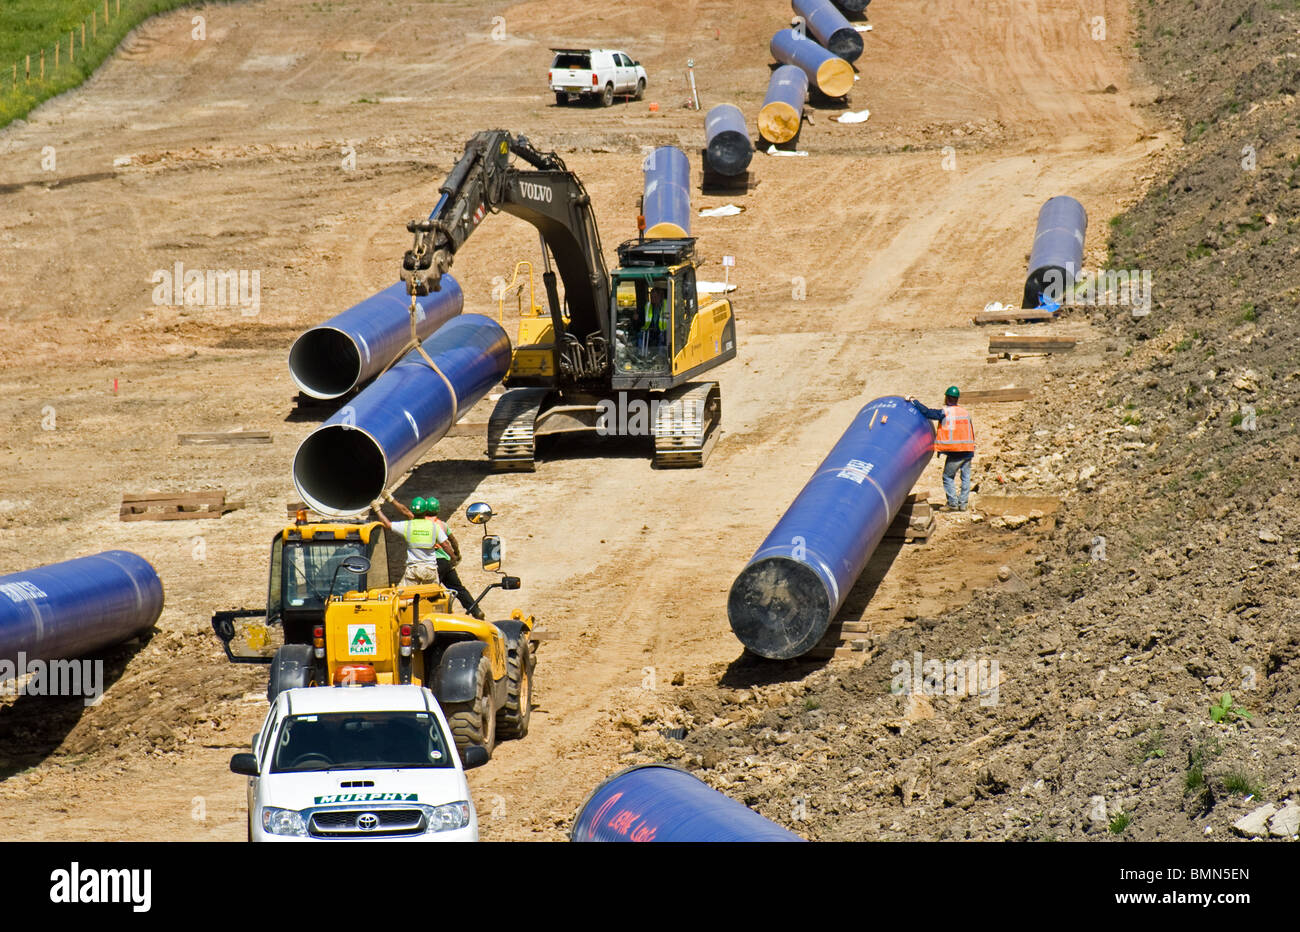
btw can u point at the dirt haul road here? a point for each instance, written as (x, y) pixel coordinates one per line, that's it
(295, 140)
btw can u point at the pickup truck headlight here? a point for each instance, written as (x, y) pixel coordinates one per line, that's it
(283, 822)
(447, 817)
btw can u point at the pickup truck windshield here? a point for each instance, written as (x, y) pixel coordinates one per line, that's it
(360, 741)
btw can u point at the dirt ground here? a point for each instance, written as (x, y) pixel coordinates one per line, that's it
(858, 270)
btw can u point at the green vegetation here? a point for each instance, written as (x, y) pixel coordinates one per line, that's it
(1240, 783)
(812, 703)
(30, 29)
(1248, 313)
(1153, 746)
(1120, 822)
(1225, 712)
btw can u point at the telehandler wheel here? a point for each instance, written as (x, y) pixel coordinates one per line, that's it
(475, 722)
(512, 719)
(290, 669)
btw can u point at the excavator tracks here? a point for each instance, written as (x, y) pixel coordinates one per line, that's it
(686, 425)
(512, 439)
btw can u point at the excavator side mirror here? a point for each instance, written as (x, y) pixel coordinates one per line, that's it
(510, 582)
(493, 552)
(479, 513)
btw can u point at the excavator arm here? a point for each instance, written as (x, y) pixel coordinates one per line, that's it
(548, 195)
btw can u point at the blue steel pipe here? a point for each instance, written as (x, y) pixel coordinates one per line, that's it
(357, 455)
(666, 204)
(726, 140)
(829, 27)
(1057, 254)
(657, 802)
(332, 358)
(829, 73)
(68, 609)
(782, 110)
(785, 598)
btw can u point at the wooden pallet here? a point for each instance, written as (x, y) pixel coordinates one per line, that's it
(230, 436)
(1012, 317)
(1018, 344)
(160, 506)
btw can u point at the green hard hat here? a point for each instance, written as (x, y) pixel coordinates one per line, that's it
(419, 506)
(952, 392)
(432, 505)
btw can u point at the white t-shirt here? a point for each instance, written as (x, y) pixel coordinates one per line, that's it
(418, 554)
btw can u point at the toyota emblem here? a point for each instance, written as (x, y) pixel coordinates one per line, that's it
(367, 822)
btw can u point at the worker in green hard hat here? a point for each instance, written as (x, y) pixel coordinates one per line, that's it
(955, 439)
(432, 552)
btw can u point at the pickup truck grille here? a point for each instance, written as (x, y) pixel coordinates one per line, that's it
(366, 823)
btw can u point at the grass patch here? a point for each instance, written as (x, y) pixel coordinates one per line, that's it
(30, 27)
(1240, 783)
(1121, 821)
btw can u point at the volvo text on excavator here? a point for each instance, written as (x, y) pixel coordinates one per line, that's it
(638, 335)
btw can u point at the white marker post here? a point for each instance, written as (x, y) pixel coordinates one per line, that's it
(728, 263)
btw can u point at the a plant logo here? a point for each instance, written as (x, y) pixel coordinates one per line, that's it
(361, 640)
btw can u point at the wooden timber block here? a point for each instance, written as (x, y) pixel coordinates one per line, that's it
(160, 506)
(993, 395)
(904, 528)
(1012, 317)
(1021, 344)
(230, 436)
(467, 430)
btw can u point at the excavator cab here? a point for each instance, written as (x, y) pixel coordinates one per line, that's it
(663, 334)
(643, 326)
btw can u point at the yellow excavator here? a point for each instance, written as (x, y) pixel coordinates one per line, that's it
(602, 360)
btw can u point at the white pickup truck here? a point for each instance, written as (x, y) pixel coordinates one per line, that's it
(357, 762)
(598, 73)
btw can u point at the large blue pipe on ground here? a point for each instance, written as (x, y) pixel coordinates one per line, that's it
(1057, 255)
(829, 27)
(782, 110)
(657, 802)
(331, 359)
(360, 452)
(785, 598)
(77, 607)
(726, 140)
(829, 73)
(666, 204)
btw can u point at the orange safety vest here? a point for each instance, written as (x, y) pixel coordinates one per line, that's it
(956, 435)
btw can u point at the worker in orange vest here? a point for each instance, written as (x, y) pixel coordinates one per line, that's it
(955, 439)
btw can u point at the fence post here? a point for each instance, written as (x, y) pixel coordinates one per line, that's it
(42, 64)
